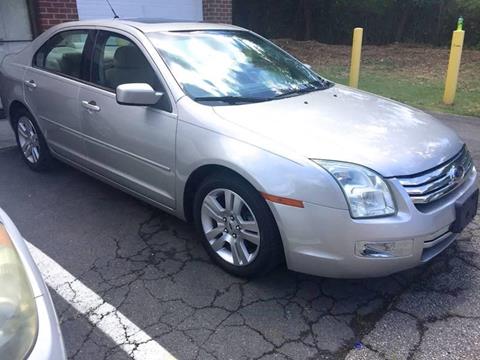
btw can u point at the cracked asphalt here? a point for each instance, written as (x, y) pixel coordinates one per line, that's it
(151, 267)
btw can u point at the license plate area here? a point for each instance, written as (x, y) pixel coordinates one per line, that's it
(465, 211)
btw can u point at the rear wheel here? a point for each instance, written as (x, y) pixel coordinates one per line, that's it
(239, 231)
(31, 142)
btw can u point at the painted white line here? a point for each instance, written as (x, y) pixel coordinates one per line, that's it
(128, 336)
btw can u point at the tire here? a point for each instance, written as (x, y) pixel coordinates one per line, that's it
(31, 142)
(228, 233)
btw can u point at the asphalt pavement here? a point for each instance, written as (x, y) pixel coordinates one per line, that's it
(7, 138)
(150, 267)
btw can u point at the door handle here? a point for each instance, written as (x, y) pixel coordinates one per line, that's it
(31, 84)
(90, 105)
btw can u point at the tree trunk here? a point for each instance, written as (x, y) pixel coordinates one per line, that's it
(441, 9)
(308, 16)
(402, 23)
(304, 20)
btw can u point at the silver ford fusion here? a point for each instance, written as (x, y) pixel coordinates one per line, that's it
(217, 125)
(28, 324)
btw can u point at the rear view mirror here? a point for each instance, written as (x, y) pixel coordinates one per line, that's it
(137, 94)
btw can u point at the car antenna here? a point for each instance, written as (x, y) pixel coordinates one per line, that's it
(115, 16)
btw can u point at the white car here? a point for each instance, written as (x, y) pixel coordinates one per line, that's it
(29, 326)
(217, 125)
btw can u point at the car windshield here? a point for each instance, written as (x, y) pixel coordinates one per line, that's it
(233, 67)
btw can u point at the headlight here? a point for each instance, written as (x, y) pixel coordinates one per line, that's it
(366, 192)
(18, 313)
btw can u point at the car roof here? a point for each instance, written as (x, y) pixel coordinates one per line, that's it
(148, 25)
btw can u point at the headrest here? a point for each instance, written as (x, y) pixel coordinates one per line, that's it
(71, 63)
(129, 57)
(72, 57)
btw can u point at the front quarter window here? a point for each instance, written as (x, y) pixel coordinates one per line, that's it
(227, 65)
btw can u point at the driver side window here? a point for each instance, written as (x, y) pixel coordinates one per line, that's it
(117, 61)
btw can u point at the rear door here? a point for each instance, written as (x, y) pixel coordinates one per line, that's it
(132, 145)
(52, 87)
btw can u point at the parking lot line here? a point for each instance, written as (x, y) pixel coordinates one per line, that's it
(128, 336)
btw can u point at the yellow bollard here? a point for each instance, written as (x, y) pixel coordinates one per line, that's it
(356, 57)
(453, 67)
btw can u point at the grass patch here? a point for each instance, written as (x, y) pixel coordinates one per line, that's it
(422, 93)
(410, 74)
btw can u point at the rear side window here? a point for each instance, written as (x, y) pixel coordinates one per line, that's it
(63, 53)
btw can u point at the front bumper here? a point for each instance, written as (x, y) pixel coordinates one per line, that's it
(49, 343)
(321, 241)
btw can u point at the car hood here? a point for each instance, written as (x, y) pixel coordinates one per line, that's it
(349, 125)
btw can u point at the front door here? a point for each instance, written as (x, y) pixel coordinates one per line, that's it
(132, 145)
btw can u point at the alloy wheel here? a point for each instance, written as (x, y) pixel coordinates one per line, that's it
(230, 227)
(28, 139)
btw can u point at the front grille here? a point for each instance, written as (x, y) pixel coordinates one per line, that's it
(433, 184)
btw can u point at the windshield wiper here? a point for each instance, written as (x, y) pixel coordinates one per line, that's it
(296, 92)
(322, 86)
(232, 100)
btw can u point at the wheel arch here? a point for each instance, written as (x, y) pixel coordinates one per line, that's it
(17, 105)
(204, 171)
(13, 109)
(196, 178)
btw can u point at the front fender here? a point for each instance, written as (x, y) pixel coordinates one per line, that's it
(266, 171)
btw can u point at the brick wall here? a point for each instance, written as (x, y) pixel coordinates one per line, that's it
(217, 11)
(53, 12)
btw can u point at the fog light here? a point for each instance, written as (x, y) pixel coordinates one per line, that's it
(383, 250)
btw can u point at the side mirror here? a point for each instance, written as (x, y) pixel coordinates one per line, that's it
(137, 94)
(307, 66)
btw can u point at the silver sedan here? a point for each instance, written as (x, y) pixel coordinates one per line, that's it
(28, 323)
(271, 161)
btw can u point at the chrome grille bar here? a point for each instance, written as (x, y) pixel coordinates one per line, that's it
(432, 185)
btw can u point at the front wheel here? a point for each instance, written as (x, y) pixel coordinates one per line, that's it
(239, 231)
